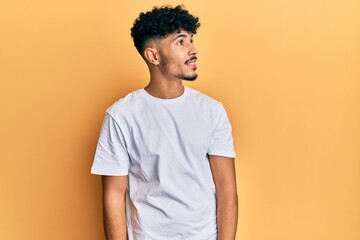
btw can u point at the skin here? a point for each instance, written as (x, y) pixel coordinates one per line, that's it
(166, 59)
(114, 214)
(223, 171)
(168, 63)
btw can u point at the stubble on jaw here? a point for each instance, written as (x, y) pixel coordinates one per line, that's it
(187, 78)
(166, 64)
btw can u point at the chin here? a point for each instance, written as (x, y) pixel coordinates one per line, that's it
(188, 78)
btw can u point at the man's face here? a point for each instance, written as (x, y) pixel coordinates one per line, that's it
(178, 56)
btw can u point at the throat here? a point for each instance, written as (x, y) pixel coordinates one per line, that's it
(165, 91)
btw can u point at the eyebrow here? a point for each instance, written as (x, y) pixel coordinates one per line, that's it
(181, 35)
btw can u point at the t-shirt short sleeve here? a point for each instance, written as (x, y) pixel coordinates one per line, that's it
(222, 141)
(111, 157)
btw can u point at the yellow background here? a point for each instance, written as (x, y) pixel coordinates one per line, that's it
(288, 73)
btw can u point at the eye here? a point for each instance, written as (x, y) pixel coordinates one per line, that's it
(181, 42)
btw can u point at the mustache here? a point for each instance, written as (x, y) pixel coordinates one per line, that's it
(190, 59)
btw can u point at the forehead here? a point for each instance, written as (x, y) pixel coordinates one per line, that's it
(172, 38)
(178, 34)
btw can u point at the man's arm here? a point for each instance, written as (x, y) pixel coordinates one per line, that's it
(114, 204)
(223, 171)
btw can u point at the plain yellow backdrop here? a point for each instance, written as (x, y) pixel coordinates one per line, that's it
(288, 73)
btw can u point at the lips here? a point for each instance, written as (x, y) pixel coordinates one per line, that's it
(191, 62)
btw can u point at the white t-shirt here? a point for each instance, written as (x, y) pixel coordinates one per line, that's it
(162, 145)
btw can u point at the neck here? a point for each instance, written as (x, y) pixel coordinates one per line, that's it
(163, 88)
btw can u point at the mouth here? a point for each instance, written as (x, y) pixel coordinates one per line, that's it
(191, 62)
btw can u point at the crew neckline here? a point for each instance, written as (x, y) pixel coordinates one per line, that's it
(164, 100)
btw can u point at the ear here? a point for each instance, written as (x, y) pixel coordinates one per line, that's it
(151, 55)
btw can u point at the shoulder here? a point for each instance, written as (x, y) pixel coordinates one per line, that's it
(125, 104)
(204, 100)
(201, 97)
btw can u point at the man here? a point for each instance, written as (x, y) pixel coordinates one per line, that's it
(165, 152)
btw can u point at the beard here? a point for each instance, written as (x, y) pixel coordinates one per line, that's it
(187, 78)
(167, 65)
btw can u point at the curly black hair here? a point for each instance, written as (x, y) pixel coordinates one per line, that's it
(160, 22)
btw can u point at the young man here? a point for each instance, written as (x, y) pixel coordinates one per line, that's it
(165, 151)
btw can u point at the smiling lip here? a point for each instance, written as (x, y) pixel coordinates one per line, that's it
(191, 62)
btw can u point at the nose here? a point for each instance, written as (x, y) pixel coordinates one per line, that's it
(193, 50)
